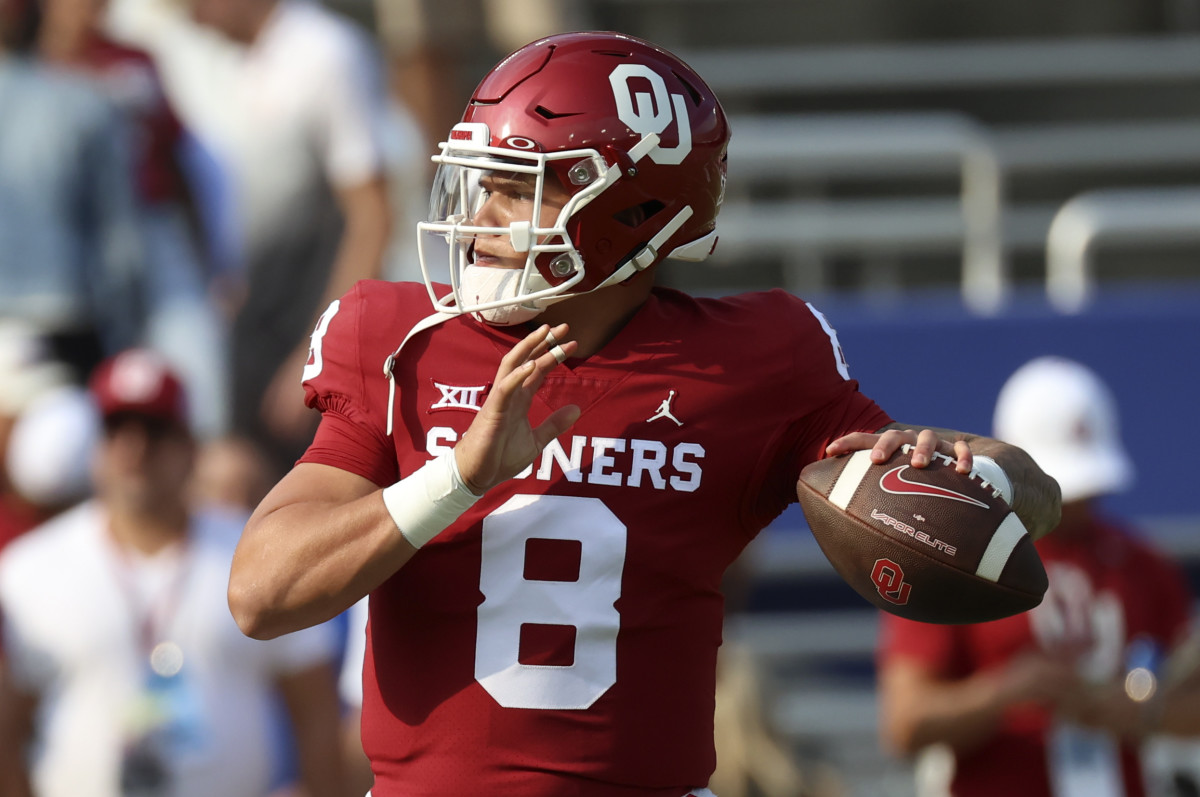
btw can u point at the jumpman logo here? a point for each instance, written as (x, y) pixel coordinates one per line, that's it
(664, 411)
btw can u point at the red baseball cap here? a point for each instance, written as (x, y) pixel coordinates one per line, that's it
(139, 382)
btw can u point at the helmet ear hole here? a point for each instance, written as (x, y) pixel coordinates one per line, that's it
(636, 216)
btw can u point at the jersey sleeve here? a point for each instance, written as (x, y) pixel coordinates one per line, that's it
(350, 436)
(825, 401)
(820, 368)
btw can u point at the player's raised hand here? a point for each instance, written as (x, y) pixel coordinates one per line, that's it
(501, 441)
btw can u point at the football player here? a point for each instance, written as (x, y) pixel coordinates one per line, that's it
(540, 479)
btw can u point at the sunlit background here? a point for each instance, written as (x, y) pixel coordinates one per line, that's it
(960, 186)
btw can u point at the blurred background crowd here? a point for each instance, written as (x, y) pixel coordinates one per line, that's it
(961, 186)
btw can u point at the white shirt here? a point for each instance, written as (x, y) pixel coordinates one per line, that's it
(304, 102)
(74, 607)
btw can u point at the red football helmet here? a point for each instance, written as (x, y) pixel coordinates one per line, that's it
(633, 133)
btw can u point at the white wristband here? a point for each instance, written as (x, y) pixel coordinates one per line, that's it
(426, 501)
(990, 471)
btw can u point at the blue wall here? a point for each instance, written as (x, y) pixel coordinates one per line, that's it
(927, 361)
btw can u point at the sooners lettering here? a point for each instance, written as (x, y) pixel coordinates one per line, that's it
(889, 582)
(610, 461)
(919, 536)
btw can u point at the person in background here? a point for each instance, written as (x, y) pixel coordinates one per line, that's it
(232, 476)
(290, 98)
(124, 673)
(436, 47)
(182, 318)
(1054, 701)
(72, 257)
(538, 464)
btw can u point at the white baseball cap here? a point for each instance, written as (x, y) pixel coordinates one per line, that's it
(50, 451)
(1065, 417)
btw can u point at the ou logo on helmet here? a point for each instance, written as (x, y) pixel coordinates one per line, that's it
(652, 113)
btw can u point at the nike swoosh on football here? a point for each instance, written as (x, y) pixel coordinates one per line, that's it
(894, 482)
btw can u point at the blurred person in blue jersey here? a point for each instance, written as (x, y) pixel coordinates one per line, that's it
(1055, 702)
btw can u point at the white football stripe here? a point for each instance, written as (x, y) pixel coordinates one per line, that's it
(849, 479)
(1000, 548)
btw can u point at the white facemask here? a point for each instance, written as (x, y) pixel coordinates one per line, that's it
(482, 284)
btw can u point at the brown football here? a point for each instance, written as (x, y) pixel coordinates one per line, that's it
(929, 544)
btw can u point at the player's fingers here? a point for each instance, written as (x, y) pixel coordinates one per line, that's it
(513, 391)
(890, 441)
(548, 362)
(963, 456)
(520, 363)
(555, 424)
(925, 447)
(521, 352)
(507, 390)
(554, 337)
(855, 441)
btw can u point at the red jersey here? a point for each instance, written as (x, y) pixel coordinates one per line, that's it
(561, 637)
(1107, 588)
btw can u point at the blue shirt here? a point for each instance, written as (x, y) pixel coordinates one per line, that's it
(70, 247)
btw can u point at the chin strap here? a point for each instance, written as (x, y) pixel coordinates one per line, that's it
(428, 322)
(649, 253)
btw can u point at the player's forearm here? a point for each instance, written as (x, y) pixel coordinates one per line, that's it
(364, 238)
(360, 252)
(303, 563)
(1178, 711)
(961, 714)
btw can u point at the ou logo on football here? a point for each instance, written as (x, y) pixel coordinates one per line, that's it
(645, 113)
(889, 582)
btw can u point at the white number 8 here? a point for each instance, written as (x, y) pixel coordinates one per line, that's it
(316, 358)
(511, 600)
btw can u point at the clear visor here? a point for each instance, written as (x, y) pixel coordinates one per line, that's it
(446, 241)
